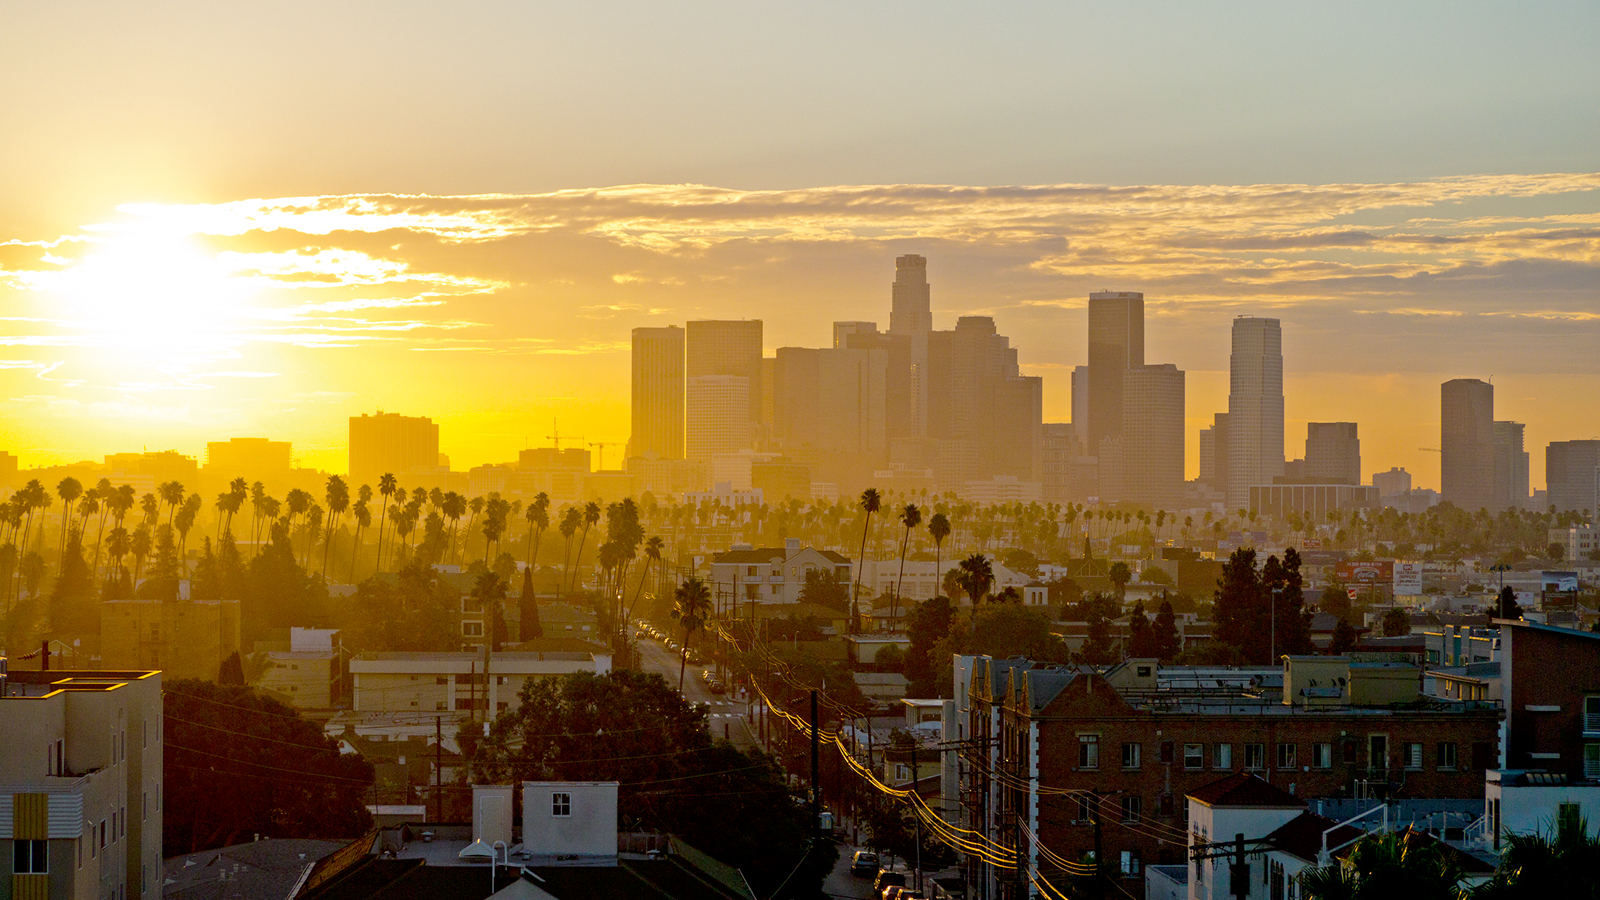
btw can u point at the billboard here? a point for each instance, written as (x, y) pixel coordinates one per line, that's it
(1408, 578)
(1558, 581)
(1379, 571)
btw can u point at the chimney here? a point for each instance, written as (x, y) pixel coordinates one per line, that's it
(791, 546)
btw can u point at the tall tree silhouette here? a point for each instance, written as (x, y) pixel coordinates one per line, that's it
(871, 501)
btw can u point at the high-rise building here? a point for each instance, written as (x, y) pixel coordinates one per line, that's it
(976, 393)
(1391, 484)
(1060, 447)
(1152, 435)
(1080, 408)
(1510, 467)
(1333, 453)
(1466, 442)
(406, 446)
(658, 387)
(727, 348)
(911, 318)
(257, 459)
(718, 420)
(1116, 344)
(1255, 407)
(1215, 471)
(8, 470)
(1572, 476)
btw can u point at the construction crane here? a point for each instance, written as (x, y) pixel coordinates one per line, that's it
(600, 458)
(556, 438)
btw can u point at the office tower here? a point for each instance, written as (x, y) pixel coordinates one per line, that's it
(1060, 445)
(911, 318)
(1116, 344)
(1152, 435)
(1217, 474)
(8, 470)
(844, 331)
(851, 390)
(1333, 453)
(718, 416)
(1572, 476)
(1080, 408)
(900, 380)
(252, 458)
(407, 446)
(976, 393)
(727, 348)
(1208, 455)
(1466, 439)
(658, 386)
(1510, 467)
(1394, 483)
(1255, 407)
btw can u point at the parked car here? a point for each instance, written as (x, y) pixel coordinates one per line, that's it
(718, 687)
(886, 878)
(864, 863)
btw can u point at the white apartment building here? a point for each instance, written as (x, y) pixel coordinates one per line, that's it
(80, 784)
(1577, 541)
(448, 682)
(772, 574)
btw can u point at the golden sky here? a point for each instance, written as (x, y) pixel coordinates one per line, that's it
(167, 325)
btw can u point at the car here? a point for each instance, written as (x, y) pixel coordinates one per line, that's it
(886, 878)
(864, 864)
(718, 687)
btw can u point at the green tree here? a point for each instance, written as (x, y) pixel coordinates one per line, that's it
(1506, 606)
(975, 577)
(1335, 601)
(528, 608)
(1141, 634)
(910, 517)
(938, 529)
(1120, 575)
(1396, 623)
(871, 500)
(489, 594)
(411, 612)
(72, 604)
(1381, 866)
(824, 587)
(1345, 638)
(691, 607)
(1165, 630)
(928, 623)
(1542, 866)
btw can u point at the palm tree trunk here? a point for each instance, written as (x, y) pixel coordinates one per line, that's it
(894, 608)
(683, 657)
(640, 589)
(861, 563)
(382, 518)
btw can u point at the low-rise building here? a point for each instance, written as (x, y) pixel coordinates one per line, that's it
(772, 574)
(447, 682)
(80, 783)
(183, 638)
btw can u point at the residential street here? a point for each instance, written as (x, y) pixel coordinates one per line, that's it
(729, 716)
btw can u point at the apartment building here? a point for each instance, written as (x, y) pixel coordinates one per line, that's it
(447, 682)
(80, 784)
(772, 574)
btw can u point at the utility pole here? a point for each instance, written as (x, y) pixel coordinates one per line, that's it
(816, 785)
(1099, 848)
(914, 789)
(1239, 872)
(438, 768)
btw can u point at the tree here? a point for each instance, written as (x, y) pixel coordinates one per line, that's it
(976, 577)
(1099, 648)
(1141, 635)
(387, 486)
(910, 517)
(1405, 864)
(1120, 575)
(1167, 643)
(927, 624)
(237, 763)
(591, 515)
(489, 593)
(72, 604)
(1555, 552)
(338, 497)
(1506, 606)
(1344, 638)
(412, 612)
(528, 608)
(871, 500)
(938, 529)
(1248, 604)
(1335, 601)
(538, 516)
(1396, 623)
(570, 522)
(69, 490)
(691, 607)
(824, 587)
(1553, 864)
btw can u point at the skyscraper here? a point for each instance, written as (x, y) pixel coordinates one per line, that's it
(406, 446)
(1080, 408)
(1510, 467)
(1116, 344)
(658, 387)
(911, 318)
(718, 416)
(727, 348)
(1466, 442)
(1152, 435)
(1255, 407)
(1333, 453)
(1572, 475)
(1216, 475)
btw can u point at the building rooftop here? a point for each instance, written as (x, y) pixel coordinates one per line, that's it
(1245, 789)
(266, 868)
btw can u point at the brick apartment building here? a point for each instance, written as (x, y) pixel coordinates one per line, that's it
(1551, 682)
(1057, 749)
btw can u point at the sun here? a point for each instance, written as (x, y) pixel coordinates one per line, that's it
(152, 295)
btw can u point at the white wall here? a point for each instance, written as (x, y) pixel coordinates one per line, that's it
(589, 828)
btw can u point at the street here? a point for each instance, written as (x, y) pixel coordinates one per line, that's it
(840, 883)
(727, 717)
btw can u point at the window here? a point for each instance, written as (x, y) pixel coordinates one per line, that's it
(1084, 809)
(1286, 756)
(1413, 757)
(1131, 863)
(89, 839)
(1591, 715)
(1165, 804)
(1222, 756)
(472, 629)
(1321, 756)
(1088, 751)
(1194, 756)
(1351, 754)
(1378, 751)
(1166, 751)
(560, 803)
(102, 834)
(442, 679)
(1255, 756)
(1130, 756)
(1446, 759)
(1591, 760)
(1132, 808)
(30, 857)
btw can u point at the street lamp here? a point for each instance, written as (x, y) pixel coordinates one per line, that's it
(1500, 570)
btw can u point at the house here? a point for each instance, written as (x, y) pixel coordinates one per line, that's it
(772, 574)
(80, 783)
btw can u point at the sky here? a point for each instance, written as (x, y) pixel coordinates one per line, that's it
(223, 220)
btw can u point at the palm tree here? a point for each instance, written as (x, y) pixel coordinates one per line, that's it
(652, 552)
(386, 486)
(69, 490)
(692, 604)
(184, 522)
(976, 578)
(139, 546)
(172, 494)
(494, 523)
(538, 515)
(120, 545)
(106, 493)
(453, 506)
(1546, 865)
(591, 515)
(938, 529)
(338, 497)
(1120, 575)
(910, 517)
(570, 521)
(363, 516)
(1400, 864)
(871, 500)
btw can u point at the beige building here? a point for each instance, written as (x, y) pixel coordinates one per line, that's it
(184, 638)
(447, 682)
(306, 679)
(80, 784)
